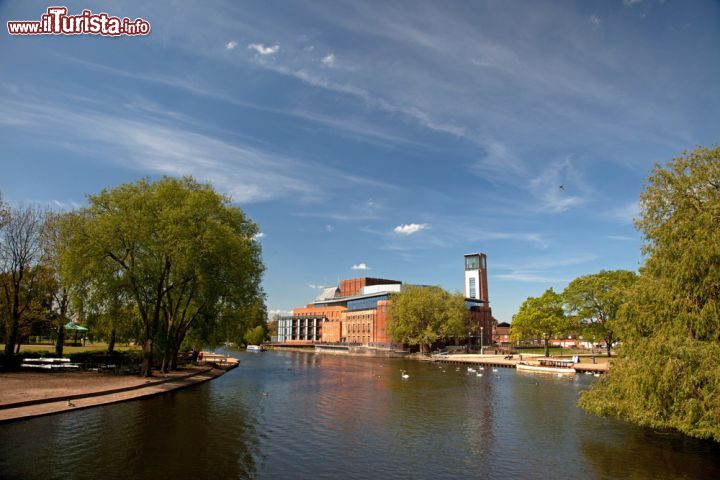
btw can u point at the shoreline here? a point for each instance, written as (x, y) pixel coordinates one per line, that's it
(43, 399)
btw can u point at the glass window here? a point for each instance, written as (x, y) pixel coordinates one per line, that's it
(472, 287)
(472, 262)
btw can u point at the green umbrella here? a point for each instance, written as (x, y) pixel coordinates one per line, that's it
(74, 326)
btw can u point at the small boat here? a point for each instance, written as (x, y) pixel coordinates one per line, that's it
(548, 365)
(255, 348)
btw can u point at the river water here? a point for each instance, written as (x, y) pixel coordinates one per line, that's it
(299, 415)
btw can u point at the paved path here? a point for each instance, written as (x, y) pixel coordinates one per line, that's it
(90, 398)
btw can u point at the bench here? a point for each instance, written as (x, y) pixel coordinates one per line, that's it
(48, 363)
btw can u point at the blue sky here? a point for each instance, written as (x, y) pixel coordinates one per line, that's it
(378, 138)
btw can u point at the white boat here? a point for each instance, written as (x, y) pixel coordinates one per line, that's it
(548, 365)
(255, 348)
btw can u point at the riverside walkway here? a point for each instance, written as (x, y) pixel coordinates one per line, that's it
(32, 394)
(500, 361)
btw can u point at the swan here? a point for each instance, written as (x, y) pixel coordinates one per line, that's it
(404, 375)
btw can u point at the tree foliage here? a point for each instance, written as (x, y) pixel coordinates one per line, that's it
(423, 315)
(177, 249)
(595, 301)
(541, 317)
(668, 371)
(20, 253)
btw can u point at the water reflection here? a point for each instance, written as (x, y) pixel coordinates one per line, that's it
(296, 415)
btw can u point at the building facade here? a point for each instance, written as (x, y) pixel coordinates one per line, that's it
(357, 311)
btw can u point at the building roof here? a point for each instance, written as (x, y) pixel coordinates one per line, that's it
(328, 293)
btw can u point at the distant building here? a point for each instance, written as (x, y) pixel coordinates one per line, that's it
(501, 334)
(357, 311)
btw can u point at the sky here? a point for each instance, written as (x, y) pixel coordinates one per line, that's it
(379, 138)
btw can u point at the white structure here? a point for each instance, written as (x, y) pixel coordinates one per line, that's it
(476, 276)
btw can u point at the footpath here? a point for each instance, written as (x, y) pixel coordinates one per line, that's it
(32, 394)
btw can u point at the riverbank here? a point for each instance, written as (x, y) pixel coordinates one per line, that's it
(32, 394)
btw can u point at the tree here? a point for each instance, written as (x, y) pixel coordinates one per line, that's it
(51, 241)
(20, 252)
(668, 371)
(541, 317)
(423, 315)
(176, 247)
(595, 300)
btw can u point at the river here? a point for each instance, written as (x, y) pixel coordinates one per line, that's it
(299, 415)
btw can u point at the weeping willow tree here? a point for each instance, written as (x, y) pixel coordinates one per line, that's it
(668, 371)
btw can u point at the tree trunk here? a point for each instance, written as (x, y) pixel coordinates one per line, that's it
(547, 347)
(60, 342)
(146, 367)
(12, 335)
(608, 345)
(111, 342)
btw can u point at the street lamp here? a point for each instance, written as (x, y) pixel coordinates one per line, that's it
(482, 340)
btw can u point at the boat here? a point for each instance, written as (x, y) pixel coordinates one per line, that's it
(548, 365)
(255, 348)
(224, 362)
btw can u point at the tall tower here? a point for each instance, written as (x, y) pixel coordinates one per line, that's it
(476, 277)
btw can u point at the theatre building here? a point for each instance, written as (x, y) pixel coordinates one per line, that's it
(356, 311)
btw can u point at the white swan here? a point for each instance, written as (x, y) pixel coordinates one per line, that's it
(404, 375)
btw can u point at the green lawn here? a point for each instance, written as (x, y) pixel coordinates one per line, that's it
(89, 347)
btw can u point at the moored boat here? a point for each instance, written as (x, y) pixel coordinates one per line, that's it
(548, 365)
(255, 348)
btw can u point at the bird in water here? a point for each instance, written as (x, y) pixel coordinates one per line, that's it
(404, 375)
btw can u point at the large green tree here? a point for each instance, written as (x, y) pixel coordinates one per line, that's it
(423, 315)
(541, 317)
(595, 301)
(668, 371)
(180, 250)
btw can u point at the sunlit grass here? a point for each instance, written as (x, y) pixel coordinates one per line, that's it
(67, 349)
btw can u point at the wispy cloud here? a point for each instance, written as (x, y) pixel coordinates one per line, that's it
(247, 172)
(329, 228)
(231, 45)
(620, 238)
(595, 21)
(316, 287)
(259, 235)
(529, 276)
(329, 60)
(630, 2)
(262, 49)
(560, 186)
(626, 213)
(360, 266)
(410, 228)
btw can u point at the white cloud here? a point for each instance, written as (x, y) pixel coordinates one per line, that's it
(329, 60)
(329, 228)
(360, 266)
(262, 49)
(620, 238)
(316, 287)
(631, 2)
(230, 45)
(258, 236)
(410, 228)
(595, 20)
(280, 312)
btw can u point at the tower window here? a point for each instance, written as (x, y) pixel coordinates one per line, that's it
(472, 287)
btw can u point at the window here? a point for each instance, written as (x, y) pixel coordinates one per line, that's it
(472, 288)
(472, 262)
